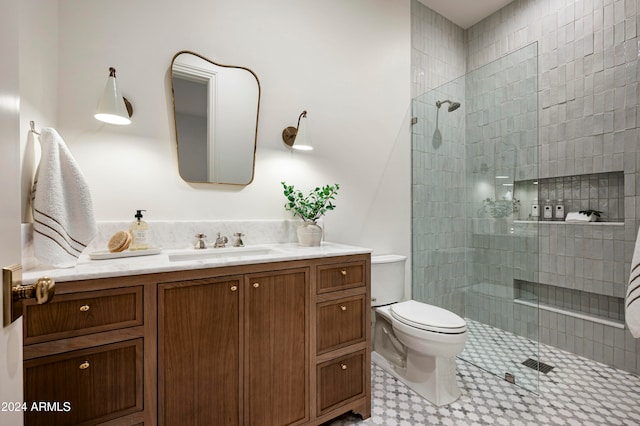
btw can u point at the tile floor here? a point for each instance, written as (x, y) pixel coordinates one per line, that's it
(577, 391)
(498, 351)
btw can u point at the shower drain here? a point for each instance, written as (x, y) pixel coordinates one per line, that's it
(540, 366)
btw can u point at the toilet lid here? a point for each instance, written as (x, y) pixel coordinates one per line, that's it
(428, 317)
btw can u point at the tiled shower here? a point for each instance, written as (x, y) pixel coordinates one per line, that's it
(467, 167)
(550, 98)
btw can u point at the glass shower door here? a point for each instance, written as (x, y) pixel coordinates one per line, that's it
(475, 243)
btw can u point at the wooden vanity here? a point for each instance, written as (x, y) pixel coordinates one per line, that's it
(277, 343)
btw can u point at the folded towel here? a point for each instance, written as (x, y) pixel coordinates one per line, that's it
(580, 217)
(632, 301)
(63, 220)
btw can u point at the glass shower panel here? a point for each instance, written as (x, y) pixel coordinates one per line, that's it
(438, 192)
(475, 245)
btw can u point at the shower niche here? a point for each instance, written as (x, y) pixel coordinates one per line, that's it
(569, 302)
(602, 192)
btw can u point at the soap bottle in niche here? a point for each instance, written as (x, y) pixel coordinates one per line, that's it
(559, 213)
(548, 210)
(139, 230)
(535, 209)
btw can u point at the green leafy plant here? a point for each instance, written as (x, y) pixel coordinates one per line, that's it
(312, 206)
(501, 208)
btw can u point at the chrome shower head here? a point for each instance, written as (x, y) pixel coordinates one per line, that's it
(452, 105)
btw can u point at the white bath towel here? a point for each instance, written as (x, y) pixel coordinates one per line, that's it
(580, 217)
(63, 219)
(632, 301)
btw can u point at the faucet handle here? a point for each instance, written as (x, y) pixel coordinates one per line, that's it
(238, 242)
(200, 243)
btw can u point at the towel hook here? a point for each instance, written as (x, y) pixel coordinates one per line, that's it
(33, 127)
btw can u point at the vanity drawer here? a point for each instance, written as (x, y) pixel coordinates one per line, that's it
(77, 314)
(340, 381)
(84, 387)
(340, 323)
(340, 276)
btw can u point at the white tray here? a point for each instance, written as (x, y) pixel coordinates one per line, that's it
(102, 255)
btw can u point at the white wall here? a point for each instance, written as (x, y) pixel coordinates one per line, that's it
(10, 336)
(28, 79)
(346, 63)
(38, 65)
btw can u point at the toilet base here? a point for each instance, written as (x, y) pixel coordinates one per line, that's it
(432, 378)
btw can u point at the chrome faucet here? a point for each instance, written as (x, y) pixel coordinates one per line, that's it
(200, 243)
(220, 241)
(238, 242)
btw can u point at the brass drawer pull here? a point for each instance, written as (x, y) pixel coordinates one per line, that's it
(343, 307)
(343, 366)
(84, 308)
(256, 285)
(234, 287)
(344, 272)
(84, 365)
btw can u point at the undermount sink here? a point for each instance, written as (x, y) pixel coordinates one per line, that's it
(218, 253)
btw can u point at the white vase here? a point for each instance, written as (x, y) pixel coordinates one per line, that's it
(309, 234)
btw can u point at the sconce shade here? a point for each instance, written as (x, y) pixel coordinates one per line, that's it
(113, 107)
(298, 138)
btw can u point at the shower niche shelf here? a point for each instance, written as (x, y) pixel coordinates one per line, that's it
(598, 191)
(597, 308)
(562, 222)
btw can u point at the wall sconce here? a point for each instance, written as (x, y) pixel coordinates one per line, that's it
(298, 137)
(113, 107)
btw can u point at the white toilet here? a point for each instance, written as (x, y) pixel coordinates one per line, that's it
(415, 342)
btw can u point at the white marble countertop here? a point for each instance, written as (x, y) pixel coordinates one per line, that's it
(86, 268)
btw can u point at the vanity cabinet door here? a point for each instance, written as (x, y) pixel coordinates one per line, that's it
(276, 341)
(341, 380)
(340, 276)
(84, 387)
(199, 352)
(340, 323)
(81, 313)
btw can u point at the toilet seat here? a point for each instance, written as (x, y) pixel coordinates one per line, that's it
(428, 317)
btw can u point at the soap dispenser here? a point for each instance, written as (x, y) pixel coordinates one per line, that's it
(548, 210)
(139, 230)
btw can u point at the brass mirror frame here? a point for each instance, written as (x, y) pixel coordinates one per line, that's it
(175, 123)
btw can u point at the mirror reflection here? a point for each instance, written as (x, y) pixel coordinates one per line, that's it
(216, 116)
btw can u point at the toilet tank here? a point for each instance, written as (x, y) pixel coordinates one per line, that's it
(387, 279)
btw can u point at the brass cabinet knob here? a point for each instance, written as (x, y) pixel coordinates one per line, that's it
(343, 366)
(234, 287)
(256, 285)
(84, 365)
(344, 272)
(42, 291)
(84, 308)
(343, 307)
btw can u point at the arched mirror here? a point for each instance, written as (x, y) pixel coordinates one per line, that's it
(216, 111)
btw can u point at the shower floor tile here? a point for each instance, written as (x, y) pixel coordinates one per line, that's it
(496, 350)
(578, 391)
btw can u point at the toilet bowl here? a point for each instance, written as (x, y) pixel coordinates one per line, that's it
(415, 342)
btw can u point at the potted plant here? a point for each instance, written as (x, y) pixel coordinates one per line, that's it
(501, 208)
(310, 208)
